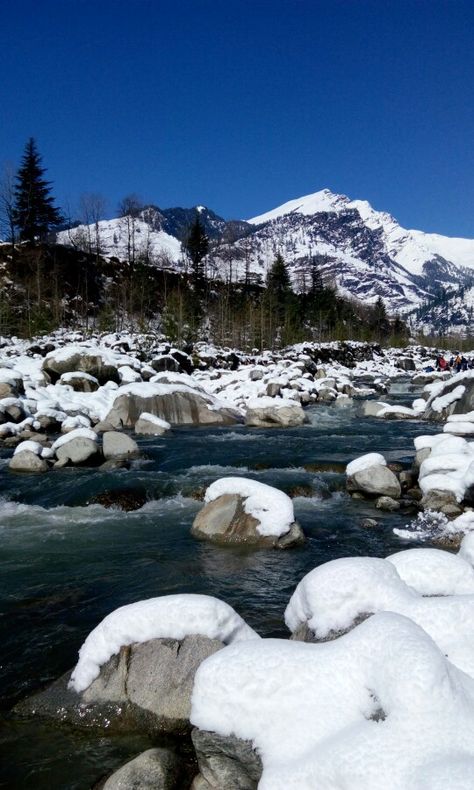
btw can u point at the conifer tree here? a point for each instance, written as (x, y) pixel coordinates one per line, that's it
(197, 247)
(34, 211)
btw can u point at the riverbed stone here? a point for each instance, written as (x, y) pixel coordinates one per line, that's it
(56, 363)
(154, 769)
(225, 762)
(145, 426)
(177, 407)
(387, 503)
(225, 521)
(117, 445)
(78, 450)
(146, 688)
(442, 502)
(265, 416)
(27, 461)
(375, 481)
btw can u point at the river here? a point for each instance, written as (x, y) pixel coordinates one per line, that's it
(66, 564)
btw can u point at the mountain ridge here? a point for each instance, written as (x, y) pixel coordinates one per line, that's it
(364, 252)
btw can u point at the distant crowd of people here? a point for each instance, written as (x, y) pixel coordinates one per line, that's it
(456, 363)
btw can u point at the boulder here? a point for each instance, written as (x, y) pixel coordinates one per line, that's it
(274, 415)
(80, 381)
(127, 499)
(64, 361)
(117, 445)
(375, 481)
(165, 363)
(442, 501)
(148, 425)
(225, 762)
(27, 461)
(77, 447)
(224, 520)
(177, 405)
(146, 687)
(155, 769)
(273, 389)
(387, 503)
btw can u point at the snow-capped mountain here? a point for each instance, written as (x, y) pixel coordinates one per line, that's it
(365, 252)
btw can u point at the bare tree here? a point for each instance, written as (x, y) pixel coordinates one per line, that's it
(129, 209)
(92, 210)
(7, 203)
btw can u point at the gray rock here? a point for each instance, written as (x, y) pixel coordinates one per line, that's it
(81, 361)
(225, 521)
(273, 389)
(81, 383)
(145, 688)
(225, 762)
(369, 523)
(326, 395)
(177, 408)
(387, 503)
(273, 417)
(443, 502)
(420, 456)
(155, 769)
(26, 461)
(406, 363)
(256, 375)
(117, 445)
(375, 481)
(77, 451)
(462, 405)
(146, 427)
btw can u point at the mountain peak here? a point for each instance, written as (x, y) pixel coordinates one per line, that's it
(324, 200)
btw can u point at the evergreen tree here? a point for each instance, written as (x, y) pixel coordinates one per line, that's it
(197, 247)
(34, 211)
(279, 283)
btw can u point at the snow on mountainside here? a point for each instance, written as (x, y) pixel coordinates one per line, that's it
(365, 252)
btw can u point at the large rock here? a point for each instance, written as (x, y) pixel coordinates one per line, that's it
(274, 415)
(117, 445)
(225, 762)
(225, 521)
(64, 361)
(148, 425)
(155, 769)
(146, 687)
(177, 405)
(375, 481)
(444, 403)
(27, 461)
(442, 502)
(80, 382)
(77, 447)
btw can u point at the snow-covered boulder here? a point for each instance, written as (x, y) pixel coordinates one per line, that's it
(380, 707)
(149, 425)
(76, 447)
(225, 761)
(447, 471)
(155, 769)
(370, 476)
(11, 383)
(434, 572)
(80, 381)
(28, 458)
(178, 404)
(117, 445)
(454, 396)
(136, 668)
(333, 598)
(268, 412)
(243, 511)
(72, 358)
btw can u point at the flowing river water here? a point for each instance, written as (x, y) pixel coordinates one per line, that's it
(66, 564)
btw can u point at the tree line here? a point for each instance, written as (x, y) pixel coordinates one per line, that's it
(50, 285)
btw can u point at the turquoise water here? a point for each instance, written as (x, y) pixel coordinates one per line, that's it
(66, 564)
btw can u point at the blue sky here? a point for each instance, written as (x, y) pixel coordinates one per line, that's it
(242, 106)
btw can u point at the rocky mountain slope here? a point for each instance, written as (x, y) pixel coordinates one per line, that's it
(366, 253)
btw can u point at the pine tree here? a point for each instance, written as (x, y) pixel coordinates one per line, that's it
(197, 247)
(34, 211)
